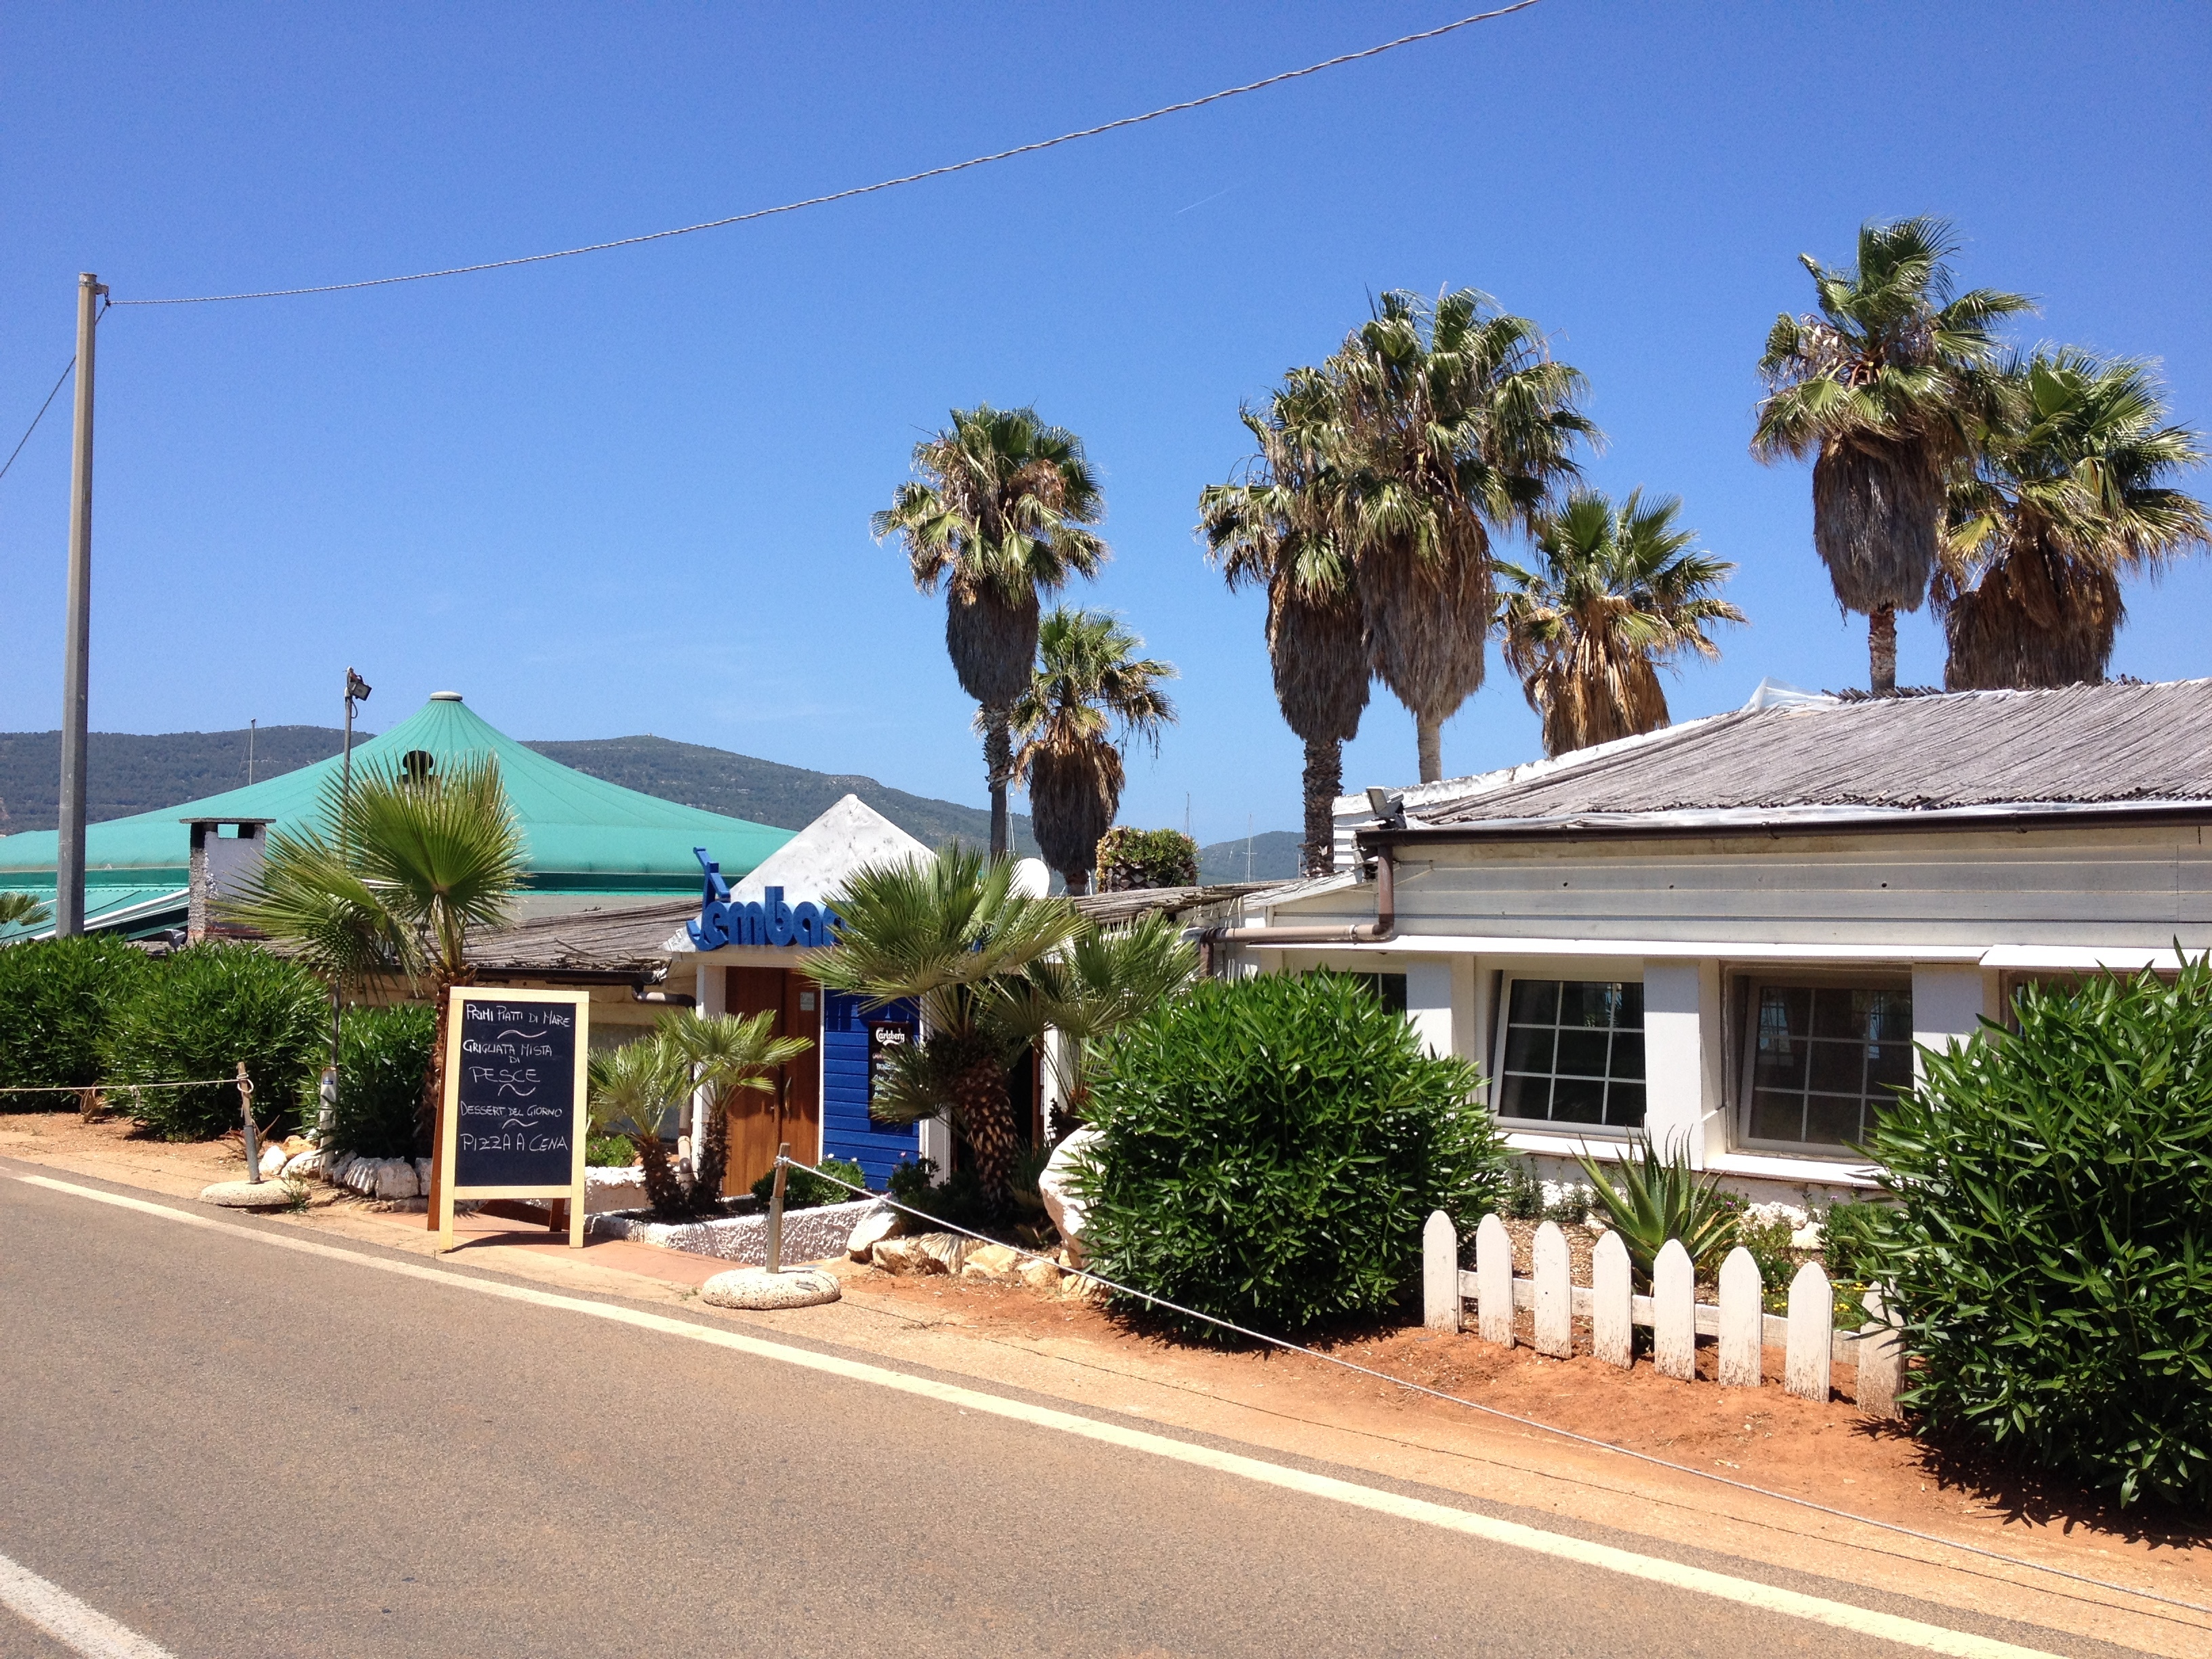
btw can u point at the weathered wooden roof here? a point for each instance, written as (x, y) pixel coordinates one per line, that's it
(2079, 746)
(1109, 909)
(628, 940)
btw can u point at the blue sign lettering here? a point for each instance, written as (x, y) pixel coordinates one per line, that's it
(768, 921)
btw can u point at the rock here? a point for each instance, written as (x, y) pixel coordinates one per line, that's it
(871, 1231)
(303, 1166)
(1060, 1203)
(295, 1145)
(1041, 1275)
(991, 1261)
(948, 1250)
(273, 1161)
(1081, 1287)
(903, 1256)
(248, 1195)
(362, 1176)
(423, 1173)
(396, 1178)
(1807, 1238)
(756, 1287)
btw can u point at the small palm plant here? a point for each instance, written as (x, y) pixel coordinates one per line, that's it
(1620, 592)
(940, 933)
(629, 1090)
(1649, 1197)
(726, 1056)
(1088, 679)
(23, 910)
(394, 878)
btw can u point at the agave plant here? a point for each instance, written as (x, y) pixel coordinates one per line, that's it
(1651, 1196)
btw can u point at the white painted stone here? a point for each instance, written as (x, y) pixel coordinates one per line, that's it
(1812, 1334)
(396, 1179)
(1742, 1320)
(1674, 1312)
(1555, 1307)
(757, 1288)
(1055, 1183)
(273, 1161)
(248, 1195)
(870, 1230)
(1439, 1273)
(422, 1174)
(1493, 1282)
(302, 1166)
(1613, 1330)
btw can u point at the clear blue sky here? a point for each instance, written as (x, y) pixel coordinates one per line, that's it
(630, 492)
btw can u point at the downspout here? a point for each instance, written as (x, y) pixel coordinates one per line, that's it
(1382, 928)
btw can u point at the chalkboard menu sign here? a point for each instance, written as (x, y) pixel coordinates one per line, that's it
(514, 1117)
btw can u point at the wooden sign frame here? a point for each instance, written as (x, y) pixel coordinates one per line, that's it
(449, 1110)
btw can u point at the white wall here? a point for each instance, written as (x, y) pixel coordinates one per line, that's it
(1429, 1002)
(1676, 1107)
(1947, 1006)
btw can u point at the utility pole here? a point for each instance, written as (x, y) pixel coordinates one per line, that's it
(77, 644)
(251, 726)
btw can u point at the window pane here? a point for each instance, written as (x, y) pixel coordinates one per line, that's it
(1624, 1106)
(1840, 1068)
(1527, 1049)
(1630, 1012)
(1785, 1012)
(1779, 1063)
(1589, 1003)
(1524, 1096)
(1628, 1053)
(1535, 1001)
(1888, 1016)
(1831, 1120)
(1577, 1100)
(1391, 988)
(1889, 1068)
(1777, 1116)
(1582, 1052)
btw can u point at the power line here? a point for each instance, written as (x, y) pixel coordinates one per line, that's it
(859, 190)
(36, 419)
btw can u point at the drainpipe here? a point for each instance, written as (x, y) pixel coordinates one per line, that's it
(1384, 927)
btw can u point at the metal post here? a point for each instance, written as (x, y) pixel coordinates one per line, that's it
(252, 1129)
(77, 642)
(775, 1209)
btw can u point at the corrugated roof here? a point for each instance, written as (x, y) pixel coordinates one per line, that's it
(2083, 745)
(585, 834)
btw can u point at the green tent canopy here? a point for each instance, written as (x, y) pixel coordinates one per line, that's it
(588, 839)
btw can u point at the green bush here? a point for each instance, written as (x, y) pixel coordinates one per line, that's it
(958, 1200)
(200, 1012)
(1270, 1149)
(383, 1055)
(57, 998)
(1130, 859)
(2051, 1246)
(803, 1189)
(610, 1151)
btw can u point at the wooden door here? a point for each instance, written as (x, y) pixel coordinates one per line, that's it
(796, 1002)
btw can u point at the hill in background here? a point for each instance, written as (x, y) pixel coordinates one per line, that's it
(126, 773)
(1274, 857)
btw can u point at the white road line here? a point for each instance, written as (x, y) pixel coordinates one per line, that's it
(79, 1628)
(1839, 1615)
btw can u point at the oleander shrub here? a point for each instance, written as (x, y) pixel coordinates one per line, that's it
(384, 1054)
(1270, 1148)
(2050, 1243)
(57, 998)
(610, 1151)
(195, 1016)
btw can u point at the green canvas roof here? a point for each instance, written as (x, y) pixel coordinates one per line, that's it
(584, 835)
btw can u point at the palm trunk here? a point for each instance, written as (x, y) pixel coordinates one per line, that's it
(988, 1123)
(1881, 650)
(999, 767)
(1430, 736)
(711, 1162)
(1078, 882)
(1324, 782)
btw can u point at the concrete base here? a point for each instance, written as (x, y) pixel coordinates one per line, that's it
(756, 1287)
(249, 1194)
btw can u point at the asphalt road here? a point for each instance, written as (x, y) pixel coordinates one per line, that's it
(238, 1450)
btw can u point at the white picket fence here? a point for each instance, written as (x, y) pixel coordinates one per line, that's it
(1807, 1336)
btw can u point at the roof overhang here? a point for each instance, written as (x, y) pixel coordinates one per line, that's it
(1705, 825)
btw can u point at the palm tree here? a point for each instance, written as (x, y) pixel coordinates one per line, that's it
(940, 933)
(726, 1056)
(630, 1089)
(2067, 496)
(1621, 591)
(1090, 679)
(998, 514)
(1883, 389)
(1275, 525)
(394, 877)
(1450, 423)
(24, 910)
(1070, 1002)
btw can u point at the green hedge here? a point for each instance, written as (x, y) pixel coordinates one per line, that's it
(197, 1015)
(57, 999)
(1270, 1149)
(383, 1055)
(2051, 1246)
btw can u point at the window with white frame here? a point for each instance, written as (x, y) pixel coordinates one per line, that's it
(1823, 1059)
(1571, 1051)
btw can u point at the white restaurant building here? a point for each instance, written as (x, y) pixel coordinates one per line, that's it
(1732, 934)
